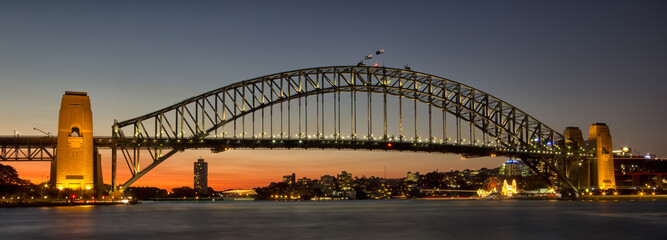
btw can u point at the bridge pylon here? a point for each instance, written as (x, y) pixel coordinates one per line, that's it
(603, 164)
(596, 170)
(77, 163)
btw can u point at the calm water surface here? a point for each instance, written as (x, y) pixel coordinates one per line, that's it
(413, 219)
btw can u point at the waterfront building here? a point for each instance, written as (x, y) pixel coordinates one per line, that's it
(239, 195)
(640, 172)
(290, 179)
(303, 181)
(515, 167)
(328, 183)
(411, 180)
(412, 177)
(201, 177)
(376, 188)
(345, 181)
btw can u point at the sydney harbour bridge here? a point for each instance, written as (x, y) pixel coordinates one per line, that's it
(335, 108)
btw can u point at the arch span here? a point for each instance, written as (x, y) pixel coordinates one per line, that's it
(232, 111)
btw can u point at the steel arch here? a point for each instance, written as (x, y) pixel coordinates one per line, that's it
(204, 115)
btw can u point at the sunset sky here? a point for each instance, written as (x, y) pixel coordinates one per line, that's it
(566, 63)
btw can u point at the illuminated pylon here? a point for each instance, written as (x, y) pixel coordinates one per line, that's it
(77, 164)
(603, 164)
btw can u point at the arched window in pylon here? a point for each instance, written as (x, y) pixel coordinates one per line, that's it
(75, 132)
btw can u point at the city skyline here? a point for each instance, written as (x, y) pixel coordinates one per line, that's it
(566, 64)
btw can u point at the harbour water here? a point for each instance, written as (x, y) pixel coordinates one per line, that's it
(400, 219)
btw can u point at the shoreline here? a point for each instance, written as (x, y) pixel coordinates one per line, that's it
(61, 204)
(661, 197)
(592, 198)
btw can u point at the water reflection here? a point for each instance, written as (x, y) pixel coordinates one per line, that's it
(342, 220)
(71, 221)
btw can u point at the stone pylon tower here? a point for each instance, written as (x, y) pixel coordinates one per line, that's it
(603, 164)
(77, 164)
(579, 174)
(573, 137)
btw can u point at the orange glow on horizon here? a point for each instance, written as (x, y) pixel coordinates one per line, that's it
(246, 169)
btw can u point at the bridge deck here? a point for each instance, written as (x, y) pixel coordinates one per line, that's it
(27, 148)
(223, 144)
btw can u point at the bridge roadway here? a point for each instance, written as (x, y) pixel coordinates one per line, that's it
(38, 148)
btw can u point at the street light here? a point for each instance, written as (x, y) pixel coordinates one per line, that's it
(48, 134)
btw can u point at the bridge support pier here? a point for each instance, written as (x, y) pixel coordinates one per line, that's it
(603, 164)
(578, 168)
(77, 164)
(591, 172)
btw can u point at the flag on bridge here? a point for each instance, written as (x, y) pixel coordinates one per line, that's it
(378, 52)
(370, 56)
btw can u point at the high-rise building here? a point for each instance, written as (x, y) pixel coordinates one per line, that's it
(514, 167)
(201, 177)
(411, 180)
(303, 181)
(412, 177)
(290, 179)
(345, 181)
(328, 184)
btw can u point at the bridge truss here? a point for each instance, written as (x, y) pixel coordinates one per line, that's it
(13, 148)
(344, 107)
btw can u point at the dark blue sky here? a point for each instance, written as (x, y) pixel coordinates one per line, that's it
(567, 63)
